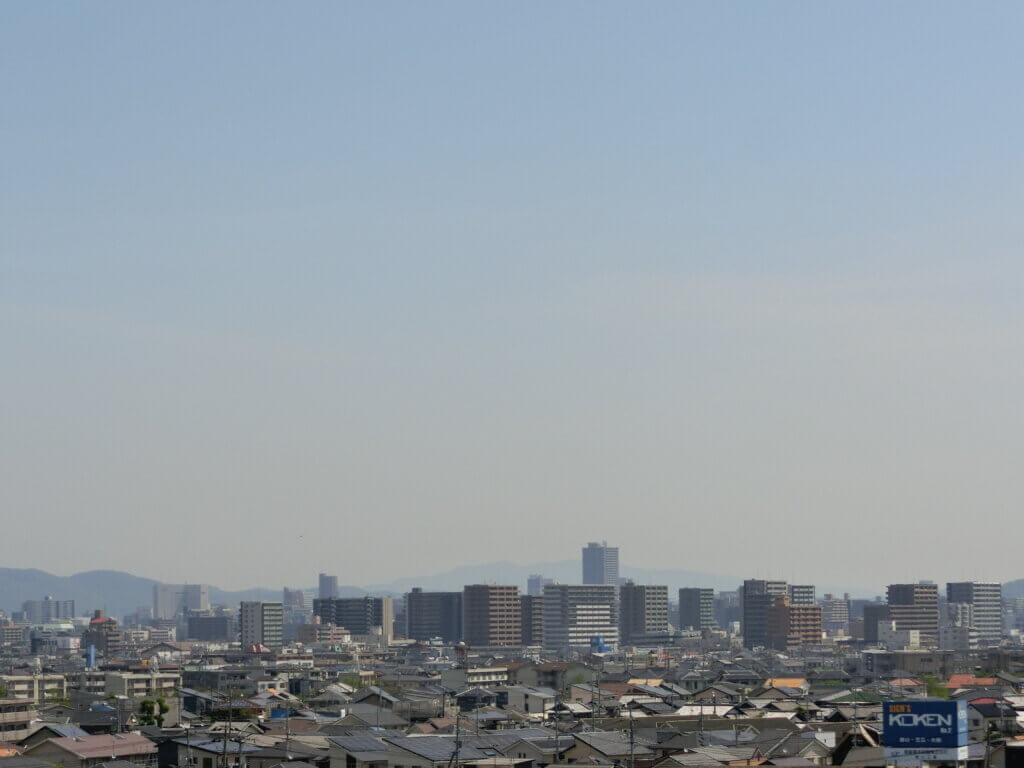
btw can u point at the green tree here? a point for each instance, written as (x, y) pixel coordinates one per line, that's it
(936, 688)
(147, 712)
(161, 710)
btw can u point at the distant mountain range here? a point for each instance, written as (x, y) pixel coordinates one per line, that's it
(119, 593)
(116, 592)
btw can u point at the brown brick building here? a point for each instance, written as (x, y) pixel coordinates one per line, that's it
(491, 615)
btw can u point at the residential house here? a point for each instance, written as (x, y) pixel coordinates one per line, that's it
(90, 751)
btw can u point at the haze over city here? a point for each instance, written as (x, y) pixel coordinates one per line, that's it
(382, 289)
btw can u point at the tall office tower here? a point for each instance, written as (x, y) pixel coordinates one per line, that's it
(491, 615)
(873, 614)
(696, 608)
(600, 564)
(986, 601)
(575, 613)
(790, 626)
(170, 600)
(801, 594)
(433, 614)
(535, 584)
(756, 595)
(328, 587)
(532, 619)
(261, 623)
(835, 612)
(729, 610)
(359, 615)
(294, 599)
(643, 614)
(915, 606)
(47, 610)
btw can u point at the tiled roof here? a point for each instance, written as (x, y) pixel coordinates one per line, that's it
(103, 745)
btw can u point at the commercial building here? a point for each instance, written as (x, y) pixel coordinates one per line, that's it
(643, 614)
(359, 615)
(210, 628)
(697, 608)
(261, 623)
(576, 613)
(170, 600)
(103, 634)
(491, 615)
(535, 584)
(600, 564)
(873, 614)
(916, 606)
(430, 615)
(756, 595)
(47, 610)
(328, 587)
(986, 601)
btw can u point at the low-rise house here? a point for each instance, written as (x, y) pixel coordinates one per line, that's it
(984, 717)
(613, 746)
(530, 701)
(204, 752)
(719, 693)
(374, 696)
(90, 751)
(51, 731)
(540, 751)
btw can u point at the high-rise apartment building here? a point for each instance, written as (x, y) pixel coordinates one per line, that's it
(790, 626)
(359, 615)
(915, 606)
(696, 608)
(756, 595)
(328, 587)
(835, 612)
(170, 600)
(532, 619)
(801, 594)
(492, 615)
(986, 601)
(261, 623)
(643, 614)
(575, 613)
(430, 615)
(47, 610)
(600, 564)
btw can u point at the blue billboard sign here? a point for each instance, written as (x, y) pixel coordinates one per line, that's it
(924, 724)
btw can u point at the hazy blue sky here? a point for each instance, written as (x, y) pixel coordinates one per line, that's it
(376, 288)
